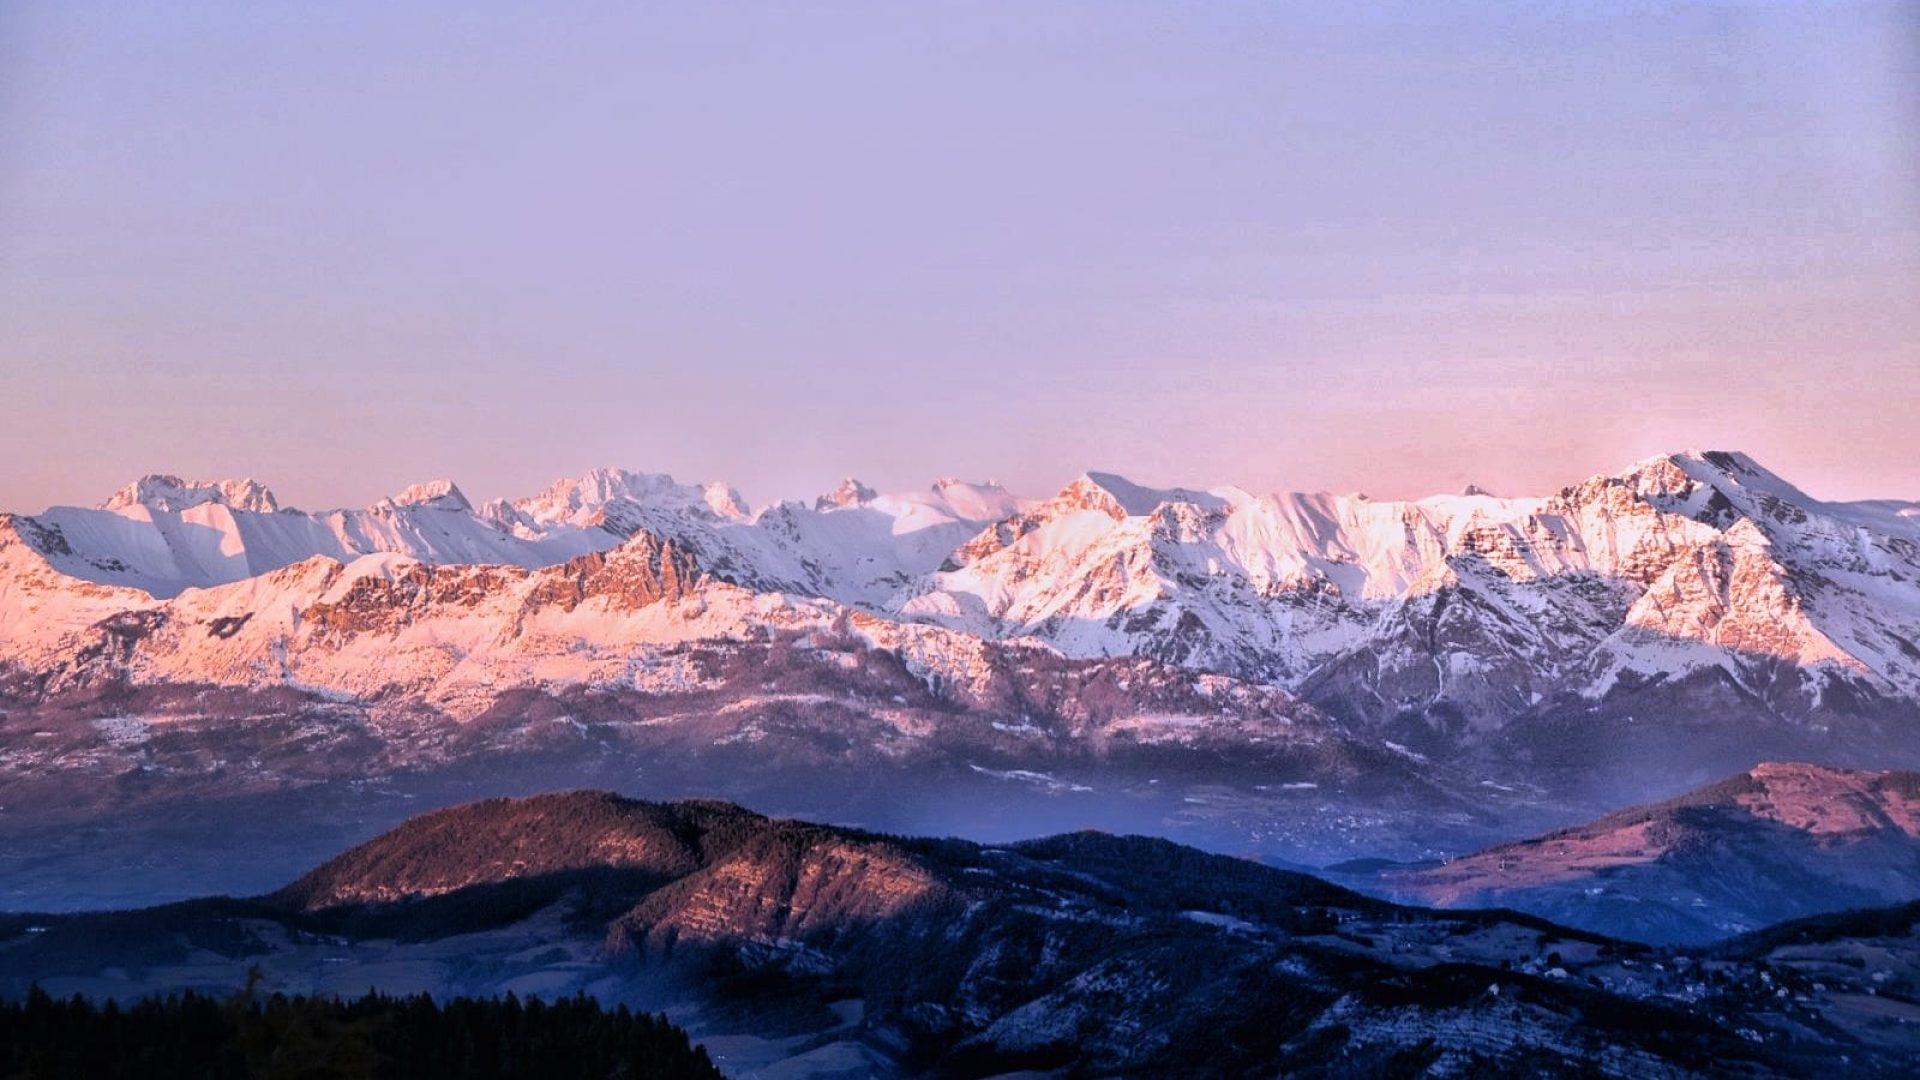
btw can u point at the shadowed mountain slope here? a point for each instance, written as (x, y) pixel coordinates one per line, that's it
(797, 950)
(1778, 842)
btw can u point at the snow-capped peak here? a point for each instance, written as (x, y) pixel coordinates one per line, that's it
(170, 494)
(1131, 499)
(725, 501)
(968, 501)
(584, 501)
(434, 495)
(851, 492)
(1727, 469)
(1720, 486)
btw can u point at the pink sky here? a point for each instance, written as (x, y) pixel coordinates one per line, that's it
(1279, 246)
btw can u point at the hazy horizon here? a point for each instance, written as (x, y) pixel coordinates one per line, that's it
(344, 249)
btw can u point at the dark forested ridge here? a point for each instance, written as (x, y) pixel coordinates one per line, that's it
(318, 1038)
(807, 950)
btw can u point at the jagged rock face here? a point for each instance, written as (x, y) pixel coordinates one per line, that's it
(791, 883)
(382, 604)
(851, 492)
(1782, 841)
(170, 494)
(1733, 593)
(645, 570)
(32, 535)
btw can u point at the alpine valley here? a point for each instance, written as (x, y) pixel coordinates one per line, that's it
(190, 669)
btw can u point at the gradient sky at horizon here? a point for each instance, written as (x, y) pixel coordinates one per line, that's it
(344, 247)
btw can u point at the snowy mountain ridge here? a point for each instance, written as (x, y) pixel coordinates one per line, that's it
(1699, 573)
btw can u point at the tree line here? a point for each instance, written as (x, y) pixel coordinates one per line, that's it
(322, 1038)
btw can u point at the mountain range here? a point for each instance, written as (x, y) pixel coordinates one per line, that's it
(1695, 568)
(1303, 676)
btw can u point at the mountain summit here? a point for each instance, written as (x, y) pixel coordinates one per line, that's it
(434, 495)
(171, 495)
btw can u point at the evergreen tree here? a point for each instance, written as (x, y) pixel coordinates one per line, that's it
(305, 1038)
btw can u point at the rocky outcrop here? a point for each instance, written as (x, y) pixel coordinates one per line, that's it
(644, 570)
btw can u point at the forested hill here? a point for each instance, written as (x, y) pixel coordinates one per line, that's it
(319, 1038)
